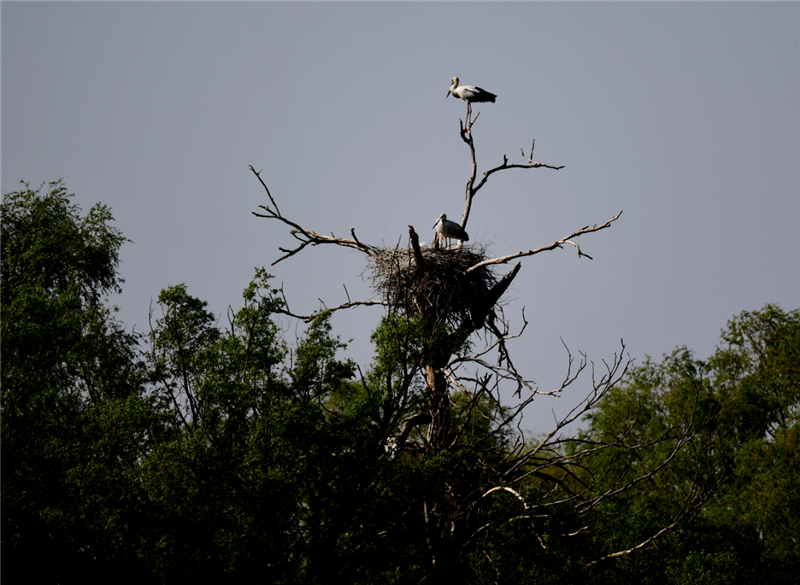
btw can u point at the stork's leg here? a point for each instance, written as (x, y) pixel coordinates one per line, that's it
(469, 115)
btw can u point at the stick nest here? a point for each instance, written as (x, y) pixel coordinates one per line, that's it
(442, 291)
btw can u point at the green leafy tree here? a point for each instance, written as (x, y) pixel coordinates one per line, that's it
(75, 420)
(217, 451)
(274, 468)
(743, 402)
(757, 380)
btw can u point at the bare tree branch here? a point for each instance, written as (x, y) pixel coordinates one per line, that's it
(349, 305)
(554, 245)
(471, 188)
(304, 236)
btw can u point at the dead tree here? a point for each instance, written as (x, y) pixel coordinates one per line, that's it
(455, 295)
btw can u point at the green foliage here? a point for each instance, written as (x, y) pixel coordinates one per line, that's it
(743, 403)
(217, 451)
(399, 342)
(74, 417)
(316, 372)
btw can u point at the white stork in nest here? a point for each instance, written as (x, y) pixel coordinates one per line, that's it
(446, 229)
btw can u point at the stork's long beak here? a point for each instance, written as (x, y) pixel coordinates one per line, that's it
(448, 94)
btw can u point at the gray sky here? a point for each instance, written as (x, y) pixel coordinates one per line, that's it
(683, 115)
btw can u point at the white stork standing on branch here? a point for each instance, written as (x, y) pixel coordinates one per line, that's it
(469, 93)
(446, 229)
